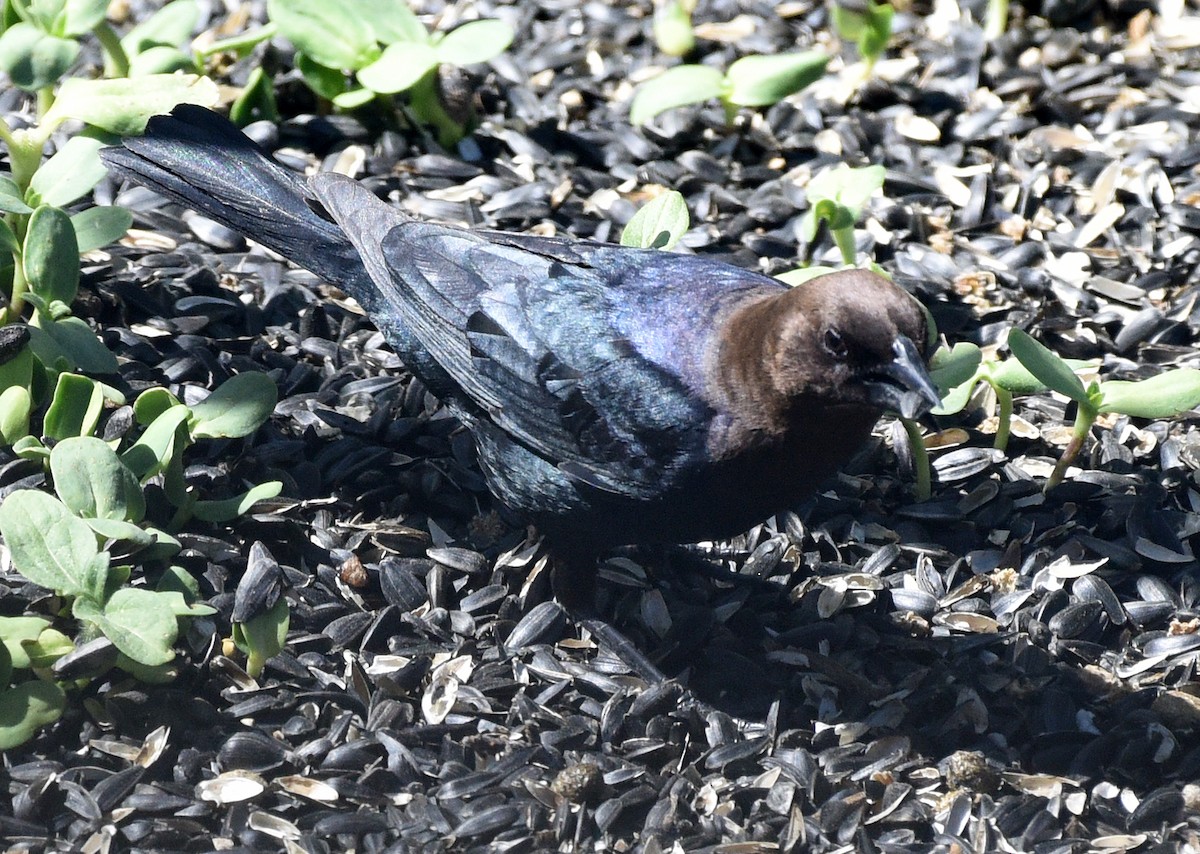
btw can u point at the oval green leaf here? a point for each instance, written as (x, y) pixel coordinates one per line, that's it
(758, 81)
(141, 623)
(15, 406)
(74, 409)
(51, 258)
(658, 224)
(15, 632)
(26, 708)
(399, 67)
(123, 106)
(333, 34)
(153, 450)
(1046, 366)
(474, 42)
(79, 343)
(33, 59)
(676, 87)
(392, 21)
(50, 546)
(92, 482)
(1164, 396)
(70, 174)
(237, 408)
(231, 508)
(100, 226)
(171, 26)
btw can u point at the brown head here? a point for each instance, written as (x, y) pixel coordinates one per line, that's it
(846, 339)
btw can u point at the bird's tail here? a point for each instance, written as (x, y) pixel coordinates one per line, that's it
(201, 160)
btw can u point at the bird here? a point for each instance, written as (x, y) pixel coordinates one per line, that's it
(617, 396)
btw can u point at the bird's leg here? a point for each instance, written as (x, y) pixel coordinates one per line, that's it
(573, 580)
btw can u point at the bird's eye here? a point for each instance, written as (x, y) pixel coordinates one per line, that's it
(835, 345)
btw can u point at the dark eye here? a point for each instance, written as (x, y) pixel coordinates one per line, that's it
(835, 345)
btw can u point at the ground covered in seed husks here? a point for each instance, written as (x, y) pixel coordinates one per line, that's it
(995, 669)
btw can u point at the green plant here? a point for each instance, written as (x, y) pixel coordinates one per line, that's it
(40, 41)
(658, 224)
(260, 612)
(1163, 396)
(866, 23)
(752, 81)
(673, 31)
(355, 51)
(83, 541)
(837, 197)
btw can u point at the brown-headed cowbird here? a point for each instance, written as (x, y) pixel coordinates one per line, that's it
(615, 395)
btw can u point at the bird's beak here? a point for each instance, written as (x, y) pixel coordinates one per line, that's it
(903, 384)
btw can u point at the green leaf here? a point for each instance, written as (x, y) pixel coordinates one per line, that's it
(15, 406)
(171, 26)
(123, 106)
(399, 67)
(326, 82)
(231, 508)
(79, 343)
(758, 81)
(846, 188)
(673, 31)
(353, 99)
(71, 173)
(152, 403)
(49, 545)
(14, 632)
(848, 23)
(141, 623)
(1163, 396)
(333, 34)
(51, 258)
(135, 537)
(257, 100)
(178, 580)
(47, 648)
(236, 409)
(391, 20)
(804, 274)
(263, 636)
(92, 482)
(658, 224)
(83, 16)
(1047, 366)
(676, 87)
(474, 42)
(11, 198)
(26, 708)
(181, 608)
(33, 59)
(74, 409)
(150, 454)
(873, 41)
(31, 448)
(239, 43)
(160, 59)
(100, 226)
(951, 367)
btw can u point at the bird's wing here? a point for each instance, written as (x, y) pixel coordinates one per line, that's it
(529, 340)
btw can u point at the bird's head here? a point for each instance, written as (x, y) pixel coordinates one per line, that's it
(854, 337)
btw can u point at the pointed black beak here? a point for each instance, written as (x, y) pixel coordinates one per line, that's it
(903, 384)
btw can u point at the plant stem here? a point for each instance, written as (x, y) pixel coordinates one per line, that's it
(996, 20)
(920, 458)
(1084, 420)
(844, 238)
(116, 61)
(1004, 418)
